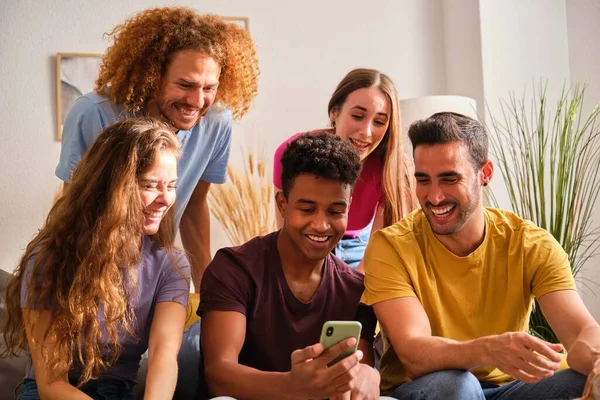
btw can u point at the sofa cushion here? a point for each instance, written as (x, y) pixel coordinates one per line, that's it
(13, 369)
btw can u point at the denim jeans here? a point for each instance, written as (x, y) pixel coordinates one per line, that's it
(104, 389)
(188, 362)
(351, 250)
(463, 385)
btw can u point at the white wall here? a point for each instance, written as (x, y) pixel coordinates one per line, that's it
(583, 18)
(584, 62)
(462, 50)
(304, 49)
(523, 43)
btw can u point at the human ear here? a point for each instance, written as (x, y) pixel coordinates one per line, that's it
(487, 172)
(281, 203)
(333, 115)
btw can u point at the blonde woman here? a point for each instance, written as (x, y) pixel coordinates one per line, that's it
(364, 110)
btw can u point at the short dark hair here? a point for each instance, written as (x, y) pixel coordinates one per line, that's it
(448, 127)
(324, 155)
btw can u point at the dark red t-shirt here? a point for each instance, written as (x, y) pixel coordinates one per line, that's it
(249, 279)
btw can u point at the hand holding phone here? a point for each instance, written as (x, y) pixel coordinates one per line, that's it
(311, 376)
(335, 331)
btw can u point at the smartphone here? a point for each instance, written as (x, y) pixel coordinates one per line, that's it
(335, 331)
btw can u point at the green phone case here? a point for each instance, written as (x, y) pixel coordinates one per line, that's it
(335, 331)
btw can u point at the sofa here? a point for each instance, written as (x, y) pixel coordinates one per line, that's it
(12, 370)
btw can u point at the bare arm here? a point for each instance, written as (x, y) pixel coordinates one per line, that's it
(377, 224)
(407, 325)
(574, 326)
(223, 334)
(365, 384)
(36, 323)
(195, 232)
(166, 334)
(408, 328)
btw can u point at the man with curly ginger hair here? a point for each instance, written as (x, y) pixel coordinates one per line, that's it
(263, 304)
(195, 72)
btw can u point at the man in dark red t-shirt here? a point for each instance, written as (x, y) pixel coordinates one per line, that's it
(263, 304)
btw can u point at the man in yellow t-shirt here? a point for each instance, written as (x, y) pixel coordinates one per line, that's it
(452, 285)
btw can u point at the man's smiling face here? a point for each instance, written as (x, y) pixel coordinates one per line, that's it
(315, 214)
(188, 89)
(448, 185)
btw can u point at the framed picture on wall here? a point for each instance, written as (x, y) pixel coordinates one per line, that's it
(75, 76)
(242, 22)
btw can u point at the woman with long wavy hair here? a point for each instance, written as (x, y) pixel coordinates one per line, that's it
(364, 110)
(101, 282)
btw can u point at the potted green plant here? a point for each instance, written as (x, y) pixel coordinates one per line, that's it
(550, 162)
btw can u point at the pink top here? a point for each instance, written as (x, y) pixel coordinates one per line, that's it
(368, 191)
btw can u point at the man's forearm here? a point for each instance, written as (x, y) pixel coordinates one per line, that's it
(432, 353)
(239, 381)
(195, 236)
(585, 350)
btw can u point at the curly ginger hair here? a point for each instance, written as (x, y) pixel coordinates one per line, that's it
(144, 45)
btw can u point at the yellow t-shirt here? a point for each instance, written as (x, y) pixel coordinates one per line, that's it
(488, 292)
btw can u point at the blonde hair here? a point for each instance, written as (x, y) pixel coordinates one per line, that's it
(397, 175)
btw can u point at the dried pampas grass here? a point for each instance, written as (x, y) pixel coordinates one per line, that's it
(245, 205)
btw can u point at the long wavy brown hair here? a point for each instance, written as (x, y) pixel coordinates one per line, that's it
(398, 170)
(84, 258)
(144, 45)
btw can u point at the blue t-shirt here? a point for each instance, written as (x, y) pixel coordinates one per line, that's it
(204, 149)
(158, 281)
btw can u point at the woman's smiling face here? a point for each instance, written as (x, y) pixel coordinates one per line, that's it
(363, 119)
(157, 190)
